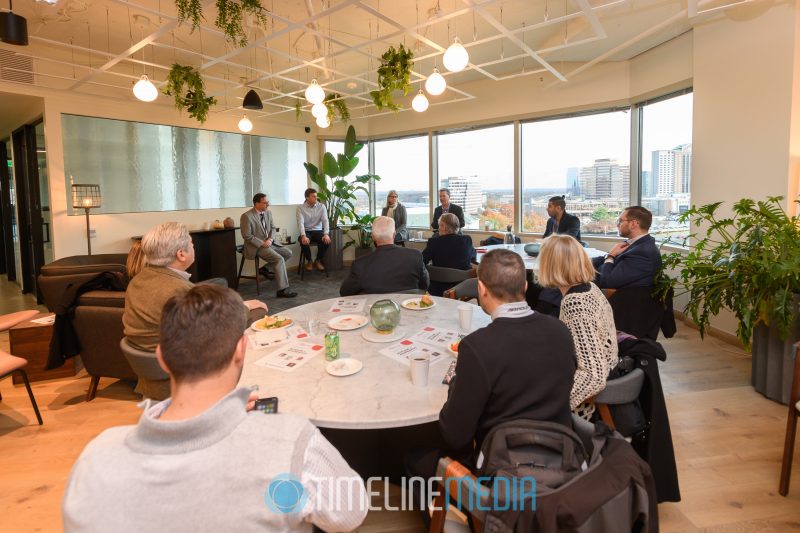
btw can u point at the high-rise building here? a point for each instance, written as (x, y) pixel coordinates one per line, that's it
(672, 170)
(465, 191)
(605, 179)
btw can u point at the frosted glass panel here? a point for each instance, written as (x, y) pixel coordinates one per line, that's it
(150, 167)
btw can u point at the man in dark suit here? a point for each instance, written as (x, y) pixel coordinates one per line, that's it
(635, 262)
(258, 234)
(560, 221)
(389, 268)
(450, 250)
(447, 207)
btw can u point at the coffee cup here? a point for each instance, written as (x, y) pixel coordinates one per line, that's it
(420, 364)
(465, 316)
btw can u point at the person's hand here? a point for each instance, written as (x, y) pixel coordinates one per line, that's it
(618, 249)
(304, 240)
(268, 243)
(251, 401)
(255, 304)
(326, 239)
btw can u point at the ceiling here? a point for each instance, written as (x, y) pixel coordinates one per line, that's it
(101, 47)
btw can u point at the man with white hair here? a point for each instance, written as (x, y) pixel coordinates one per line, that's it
(389, 269)
(169, 252)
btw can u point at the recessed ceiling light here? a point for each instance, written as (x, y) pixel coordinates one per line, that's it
(351, 85)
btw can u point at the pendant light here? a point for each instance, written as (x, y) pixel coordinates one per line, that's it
(420, 102)
(13, 28)
(455, 57)
(245, 125)
(435, 84)
(314, 93)
(144, 89)
(319, 110)
(252, 101)
(323, 122)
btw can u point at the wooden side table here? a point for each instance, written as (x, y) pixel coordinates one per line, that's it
(32, 341)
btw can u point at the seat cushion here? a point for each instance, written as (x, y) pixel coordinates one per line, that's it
(103, 298)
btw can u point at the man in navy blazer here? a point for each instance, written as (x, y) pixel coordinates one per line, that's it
(635, 262)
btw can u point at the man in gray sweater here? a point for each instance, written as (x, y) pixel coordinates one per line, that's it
(203, 460)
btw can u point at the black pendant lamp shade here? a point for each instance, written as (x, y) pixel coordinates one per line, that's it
(13, 28)
(252, 101)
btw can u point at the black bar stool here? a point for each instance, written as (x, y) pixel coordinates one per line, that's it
(240, 249)
(303, 261)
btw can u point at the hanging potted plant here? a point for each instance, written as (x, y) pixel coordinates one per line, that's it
(186, 85)
(338, 194)
(749, 264)
(229, 19)
(394, 74)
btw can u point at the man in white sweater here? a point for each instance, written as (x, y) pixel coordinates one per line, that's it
(203, 460)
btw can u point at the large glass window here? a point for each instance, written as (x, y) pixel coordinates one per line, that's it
(362, 198)
(667, 164)
(587, 159)
(402, 165)
(478, 168)
(151, 167)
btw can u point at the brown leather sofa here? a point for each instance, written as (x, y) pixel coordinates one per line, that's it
(98, 315)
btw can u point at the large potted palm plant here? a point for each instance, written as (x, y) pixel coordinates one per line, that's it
(748, 263)
(337, 193)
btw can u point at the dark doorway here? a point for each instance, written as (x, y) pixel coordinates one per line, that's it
(7, 214)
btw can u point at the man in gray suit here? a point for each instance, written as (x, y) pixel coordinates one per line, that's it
(389, 268)
(258, 234)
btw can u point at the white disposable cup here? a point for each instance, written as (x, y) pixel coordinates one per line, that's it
(420, 365)
(465, 316)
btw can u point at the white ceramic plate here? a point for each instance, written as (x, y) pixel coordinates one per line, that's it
(371, 334)
(413, 304)
(258, 325)
(343, 367)
(348, 322)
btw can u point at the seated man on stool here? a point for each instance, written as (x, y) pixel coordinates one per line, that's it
(204, 460)
(258, 234)
(312, 221)
(169, 252)
(390, 268)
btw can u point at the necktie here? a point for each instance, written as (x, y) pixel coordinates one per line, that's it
(263, 222)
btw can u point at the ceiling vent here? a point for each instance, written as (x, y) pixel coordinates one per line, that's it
(15, 67)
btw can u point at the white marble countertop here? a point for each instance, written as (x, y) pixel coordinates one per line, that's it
(531, 263)
(381, 395)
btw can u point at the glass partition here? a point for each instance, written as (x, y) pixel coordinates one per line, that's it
(150, 167)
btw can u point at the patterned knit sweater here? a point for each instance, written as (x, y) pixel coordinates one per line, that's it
(588, 315)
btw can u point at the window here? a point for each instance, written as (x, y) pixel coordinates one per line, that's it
(666, 156)
(402, 165)
(478, 168)
(362, 198)
(587, 159)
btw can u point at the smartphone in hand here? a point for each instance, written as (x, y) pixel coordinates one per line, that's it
(267, 405)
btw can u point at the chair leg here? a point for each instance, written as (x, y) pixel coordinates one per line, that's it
(439, 514)
(239, 276)
(301, 264)
(92, 392)
(788, 451)
(30, 395)
(258, 288)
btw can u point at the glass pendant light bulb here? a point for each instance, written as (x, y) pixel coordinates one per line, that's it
(245, 125)
(319, 110)
(323, 122)
(455, 57)
(420, 102)
(144, 89)
(435, 84)
(314, 93)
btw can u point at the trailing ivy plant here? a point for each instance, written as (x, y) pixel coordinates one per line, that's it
(230, 15)
(748, 263)
(336, 104)
(186, 85)
(394, 74)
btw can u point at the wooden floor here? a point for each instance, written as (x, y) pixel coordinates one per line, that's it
(728, 440)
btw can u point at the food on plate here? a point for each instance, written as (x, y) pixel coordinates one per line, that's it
(454, 346)
(274, 322)
(426, 300)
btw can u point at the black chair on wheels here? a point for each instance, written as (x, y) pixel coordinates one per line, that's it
(240, 249)
(303, 261)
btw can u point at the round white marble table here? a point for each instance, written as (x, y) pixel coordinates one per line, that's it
(531, 263)
(381, 395)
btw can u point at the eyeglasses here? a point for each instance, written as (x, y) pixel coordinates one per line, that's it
(621, 220)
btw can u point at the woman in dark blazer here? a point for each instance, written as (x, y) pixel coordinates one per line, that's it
(397, 211)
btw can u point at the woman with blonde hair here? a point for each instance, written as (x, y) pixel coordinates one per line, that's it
(136, 260)
(564, 265)
(396, 211)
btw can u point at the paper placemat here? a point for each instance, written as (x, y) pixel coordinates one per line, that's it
(406, 349)
(290, 357)
(438, 337)
(260, 340)
(348, 305)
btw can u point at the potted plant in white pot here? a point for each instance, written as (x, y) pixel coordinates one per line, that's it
(338, 194)
(749, 264)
